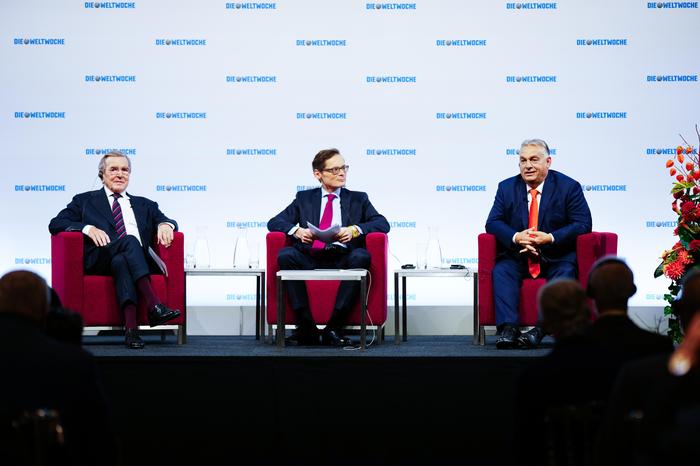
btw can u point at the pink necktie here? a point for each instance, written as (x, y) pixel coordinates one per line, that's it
(326, 220)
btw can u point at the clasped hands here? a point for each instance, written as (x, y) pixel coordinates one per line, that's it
(531, 240)
(306, 237)
(165, 235)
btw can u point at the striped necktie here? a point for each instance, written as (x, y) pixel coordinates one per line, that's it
(118, 217)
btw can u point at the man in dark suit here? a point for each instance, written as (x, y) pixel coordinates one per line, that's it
(536, 218)
(353, 211)
(118, 229)
(45, 381)
(610, 285)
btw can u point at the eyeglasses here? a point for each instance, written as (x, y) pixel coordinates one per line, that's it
(336, 170)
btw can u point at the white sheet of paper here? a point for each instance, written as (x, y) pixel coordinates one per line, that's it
(328, 235)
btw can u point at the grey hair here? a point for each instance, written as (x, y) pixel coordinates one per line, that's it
(103, 161)
(535, 142)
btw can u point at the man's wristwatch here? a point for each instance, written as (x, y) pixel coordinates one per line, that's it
(355, 231)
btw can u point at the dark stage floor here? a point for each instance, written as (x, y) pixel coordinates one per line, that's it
(235, 400)
(248, 346)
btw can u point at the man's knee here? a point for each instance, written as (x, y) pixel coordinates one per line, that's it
(359, 258)
(505, 270)
(288, 258)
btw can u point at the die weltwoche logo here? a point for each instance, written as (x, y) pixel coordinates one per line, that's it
(390, 79)
(181, 187)
(386, 151)
(40, 115)
(601, 115)
(250, 79)
(321, 43)
(182, 115)
(322, 116)
(514, 151)
(250, 151)
(241, 297)
(39, 41)
(390, 6)
(525, 79)
(32, 260)
(460, 260)
(130, 151)
(603, 187)
(672, 78)
(672, 5)
(251, 6)
(460, 116)
(182, 42)
(245, 224)
(531, 6)
(403, 224)
(460, 42)
(602, 42)
(664, 151)
(40, 187)
(460, 187)
(111, 78)
(661, 224)
(111, 5)
(301, 187)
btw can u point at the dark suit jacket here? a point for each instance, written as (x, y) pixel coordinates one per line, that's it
(39, 372)
(306, 208)
(563, 212)
(93, 208)
(618, 334)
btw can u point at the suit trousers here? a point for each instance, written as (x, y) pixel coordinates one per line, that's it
(290, 258)
(508, 274)
(124, 259)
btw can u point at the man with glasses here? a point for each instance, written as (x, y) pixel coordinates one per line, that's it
(536, 218)
(329, 205)
(118, 229)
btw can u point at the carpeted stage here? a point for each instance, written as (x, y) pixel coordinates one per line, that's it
(235, 400)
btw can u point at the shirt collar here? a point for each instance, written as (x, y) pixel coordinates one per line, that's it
(324, 193)
(110, 192)
(538, 188)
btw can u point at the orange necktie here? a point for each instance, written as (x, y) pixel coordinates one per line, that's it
(533, 262)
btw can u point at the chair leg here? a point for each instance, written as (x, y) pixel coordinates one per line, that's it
(482, 335)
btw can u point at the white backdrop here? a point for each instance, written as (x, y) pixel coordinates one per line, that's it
(222, 106)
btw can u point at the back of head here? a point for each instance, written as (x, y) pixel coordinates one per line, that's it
(611, 284)
(563, 308)
(689, 303)
(26, 294)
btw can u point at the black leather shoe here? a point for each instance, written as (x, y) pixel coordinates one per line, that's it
(531, 338)
(160, 314)
(132, 340)
(509, 338)
(333, 338)
(303, 338)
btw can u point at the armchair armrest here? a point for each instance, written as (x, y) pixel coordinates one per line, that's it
(67, 268)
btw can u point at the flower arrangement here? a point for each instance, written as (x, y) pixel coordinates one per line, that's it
(685, 254)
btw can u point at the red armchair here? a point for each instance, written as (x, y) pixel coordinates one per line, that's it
(589, 248)
(322, 293)
(93, 295)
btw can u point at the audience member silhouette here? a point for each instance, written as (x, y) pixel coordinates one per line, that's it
(41, 373)
(654, 410)
(611, 285)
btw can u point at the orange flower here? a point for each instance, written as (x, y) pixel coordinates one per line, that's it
(672, 171)
(689, 166)
(689, 150)
(679, 150)
(669, 163)
(681, 158)
(689, 178)
(680, 178)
